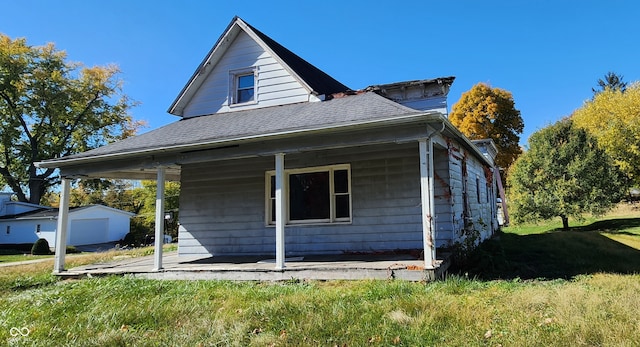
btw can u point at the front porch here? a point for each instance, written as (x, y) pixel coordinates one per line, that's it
(403, 266)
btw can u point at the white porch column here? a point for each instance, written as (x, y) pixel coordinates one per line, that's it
(280, 211)
(63, 225)
(159, 238)
(427, 196)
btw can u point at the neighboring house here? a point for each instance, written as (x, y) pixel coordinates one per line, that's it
(22, 223)
(275, 157)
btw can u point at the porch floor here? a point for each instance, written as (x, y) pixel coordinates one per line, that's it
(245, 268)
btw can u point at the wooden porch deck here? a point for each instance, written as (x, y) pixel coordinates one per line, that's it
(316, 267)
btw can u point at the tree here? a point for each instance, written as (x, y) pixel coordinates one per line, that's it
(613, 118)
(563, 174)
(489, 113)
(50, 108)
(113, 193)
(171, 203)
(611, 81)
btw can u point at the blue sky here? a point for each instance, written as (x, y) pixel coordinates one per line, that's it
(548, 54)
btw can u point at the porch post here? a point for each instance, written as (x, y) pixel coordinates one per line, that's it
(159, 238)
(427, 197)
(61, 232)
(280, 211)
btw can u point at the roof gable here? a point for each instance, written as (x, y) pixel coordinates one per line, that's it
(315, 78)
(281, 76)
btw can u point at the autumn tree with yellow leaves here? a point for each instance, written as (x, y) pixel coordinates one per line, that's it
(613, 118)
(490, 113)
(49, 108)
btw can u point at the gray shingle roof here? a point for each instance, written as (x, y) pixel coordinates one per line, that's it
(317, 79)
(254, 125)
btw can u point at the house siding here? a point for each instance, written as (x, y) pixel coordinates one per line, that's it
(225, 211)
(22, 231)
(466, 171)
(275, 85)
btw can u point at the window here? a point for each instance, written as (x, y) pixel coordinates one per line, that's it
(242, 86)
(313, 195)
(8, 229)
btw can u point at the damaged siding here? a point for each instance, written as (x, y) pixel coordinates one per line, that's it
(471, 196)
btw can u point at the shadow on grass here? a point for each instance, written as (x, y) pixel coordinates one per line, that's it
(555, 254)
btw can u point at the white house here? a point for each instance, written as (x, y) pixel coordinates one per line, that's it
(22, 223)
(277, 158)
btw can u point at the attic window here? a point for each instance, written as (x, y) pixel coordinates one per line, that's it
(243, 86)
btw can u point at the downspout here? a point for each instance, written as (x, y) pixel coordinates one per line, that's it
(444, 125)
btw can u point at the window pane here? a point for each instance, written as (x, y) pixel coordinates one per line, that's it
(244, 88)
(273, 210)
(273, 187)
(245, 81)
(341, 181)
(245, 95)
(309, 196)
(342, 206)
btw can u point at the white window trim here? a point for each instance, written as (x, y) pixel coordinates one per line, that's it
(233, 86)
(332, 208)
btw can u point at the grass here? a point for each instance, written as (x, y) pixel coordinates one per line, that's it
(121, 311)
(609, 244)
(573, 298)
(12, 256)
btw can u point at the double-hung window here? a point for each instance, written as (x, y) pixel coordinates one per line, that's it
(243, 86)
(313, 195)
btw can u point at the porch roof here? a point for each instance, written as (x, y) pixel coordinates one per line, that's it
(249, 125)
(138, 157)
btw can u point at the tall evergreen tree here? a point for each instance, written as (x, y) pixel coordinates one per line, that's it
(611, 81)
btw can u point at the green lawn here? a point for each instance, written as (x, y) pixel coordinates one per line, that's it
(538, 288)
(13, 256)
(610, 244)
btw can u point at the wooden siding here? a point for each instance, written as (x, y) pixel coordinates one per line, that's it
(443, 195)
(275, 86)
(223, 204)
(464, 169)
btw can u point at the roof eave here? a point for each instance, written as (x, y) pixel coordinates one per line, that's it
(434, 117)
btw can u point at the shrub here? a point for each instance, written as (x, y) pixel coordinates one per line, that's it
(138, 229)
(41, 247)
(72, 249)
